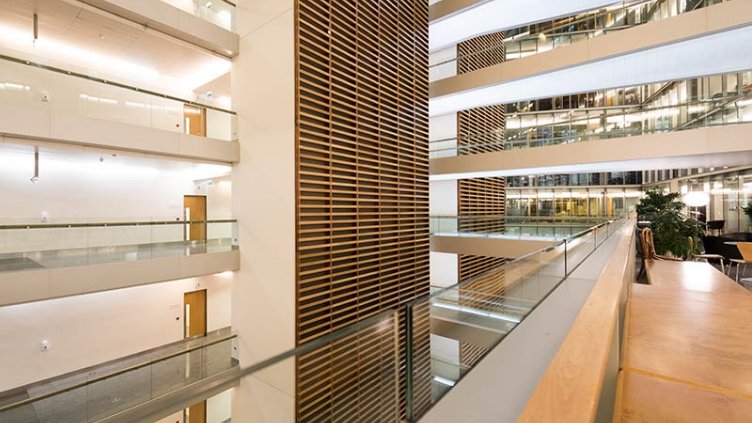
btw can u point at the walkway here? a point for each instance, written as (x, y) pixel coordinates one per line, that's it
(91, 394)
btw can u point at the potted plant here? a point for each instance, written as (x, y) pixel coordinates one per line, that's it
(671, 228)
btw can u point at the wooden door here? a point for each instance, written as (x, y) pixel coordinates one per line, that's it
(194, 207)
(196, 413)
(194, 120)
(194, 312)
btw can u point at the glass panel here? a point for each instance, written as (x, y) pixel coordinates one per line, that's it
(218, 12)
(41, 89)
(58, 244)
(123, 385)
(531, 130)
(471, 318)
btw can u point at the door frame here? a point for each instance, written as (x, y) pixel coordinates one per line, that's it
(206, 313)
(206, 216)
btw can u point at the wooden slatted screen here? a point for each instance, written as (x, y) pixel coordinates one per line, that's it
(480, 52)
(480, 130)
(362, 187)
(488, 284)
(470, 354)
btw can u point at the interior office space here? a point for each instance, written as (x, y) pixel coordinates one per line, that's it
(375, 211)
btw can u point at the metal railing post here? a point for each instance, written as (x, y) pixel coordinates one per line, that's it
(408, 362)
(566, 267)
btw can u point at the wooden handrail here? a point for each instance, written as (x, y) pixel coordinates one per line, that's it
(570, 389)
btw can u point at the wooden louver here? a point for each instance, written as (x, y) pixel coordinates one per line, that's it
(362, 194)
(480, 130)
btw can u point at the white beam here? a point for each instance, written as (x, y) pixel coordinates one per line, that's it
(499, 15)
(703, 147)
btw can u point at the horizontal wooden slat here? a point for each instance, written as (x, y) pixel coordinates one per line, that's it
(362, 191)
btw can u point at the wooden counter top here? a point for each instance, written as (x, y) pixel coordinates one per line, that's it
(688, 339)
(651, 399)
(680, 276)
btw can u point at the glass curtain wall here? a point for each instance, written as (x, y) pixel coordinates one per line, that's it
(728, 192)
(658, 94)
(592, 201)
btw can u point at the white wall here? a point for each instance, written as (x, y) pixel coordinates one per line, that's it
(44, 89)
(218, 410)
(218, 192)
(220, 125)
(78, 184)
(444, 269)
(81, 183)
(442, 63)
(442, 127)
(85, 330)
(443, 198)
(263, 88)
(446, 355)
(219, 407)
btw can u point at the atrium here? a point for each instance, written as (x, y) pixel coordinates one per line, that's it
(434, 211)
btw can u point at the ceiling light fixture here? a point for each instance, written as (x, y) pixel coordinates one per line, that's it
(36, 29)
(35, 178)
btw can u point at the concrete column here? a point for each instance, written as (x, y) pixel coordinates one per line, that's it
(263, 303)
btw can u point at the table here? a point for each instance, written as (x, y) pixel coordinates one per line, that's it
(687, 354)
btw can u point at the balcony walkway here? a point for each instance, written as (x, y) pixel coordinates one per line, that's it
(93, 393)
(35, 260)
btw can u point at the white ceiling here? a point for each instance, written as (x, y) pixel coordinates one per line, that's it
(81, 38)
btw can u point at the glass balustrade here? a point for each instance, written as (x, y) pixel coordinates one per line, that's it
(539, 129)
(98, 394)
(352, 373)
(64, 244)
(43, 90)
(399, 362)
(539, 38)
(218, 12)
(511, 227)
(484, 309)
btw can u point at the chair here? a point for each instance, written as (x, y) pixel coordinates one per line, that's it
(715, 226)
(648, 246)
(745, 249)
(641, 274)
(704, 256)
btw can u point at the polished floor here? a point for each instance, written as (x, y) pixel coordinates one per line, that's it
(13, 262)
(132, 380)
